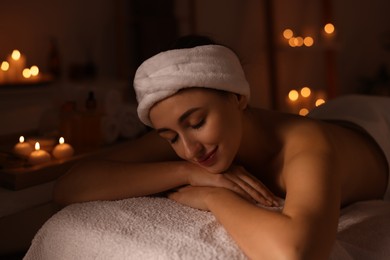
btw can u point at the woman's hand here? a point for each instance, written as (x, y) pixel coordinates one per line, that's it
(236, 179)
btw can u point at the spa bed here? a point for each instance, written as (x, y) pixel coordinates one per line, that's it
(158, 228)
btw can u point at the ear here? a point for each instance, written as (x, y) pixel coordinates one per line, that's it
(242, 101)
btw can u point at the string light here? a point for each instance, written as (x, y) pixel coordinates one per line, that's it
(293, 95)
(305, 92)
(303, 112)
(329, 28)
(319, 102)
(288, 33)
(308, 41)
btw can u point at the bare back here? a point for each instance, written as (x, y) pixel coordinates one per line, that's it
(358, 160)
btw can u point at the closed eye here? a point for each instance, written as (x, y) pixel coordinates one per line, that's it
(199, 125)
(173, 140)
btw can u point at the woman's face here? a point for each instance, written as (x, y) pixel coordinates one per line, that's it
(203, 126)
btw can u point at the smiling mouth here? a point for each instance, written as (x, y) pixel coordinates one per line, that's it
(208, 158)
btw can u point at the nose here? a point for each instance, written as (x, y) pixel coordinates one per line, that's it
(192, 148)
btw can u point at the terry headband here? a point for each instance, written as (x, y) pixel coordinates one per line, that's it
(208, 66)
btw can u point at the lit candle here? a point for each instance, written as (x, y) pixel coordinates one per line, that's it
(17, 63)
(23, 149)
(63, 150)
(3, 71)
(38, 156)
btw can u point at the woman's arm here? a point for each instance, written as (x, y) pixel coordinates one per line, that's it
(125, 173)
(146, 166)
(306, 227)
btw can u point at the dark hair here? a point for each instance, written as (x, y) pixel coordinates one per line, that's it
(190, 41)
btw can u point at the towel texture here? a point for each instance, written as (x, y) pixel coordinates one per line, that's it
(210, 66)
(137, 228)
(158, 228)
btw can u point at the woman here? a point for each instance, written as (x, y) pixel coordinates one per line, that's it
(223, 156)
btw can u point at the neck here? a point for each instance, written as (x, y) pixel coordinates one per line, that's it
(259, 143)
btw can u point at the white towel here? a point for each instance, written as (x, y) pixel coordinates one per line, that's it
(138, 228)
(158, 228)
(210, 66)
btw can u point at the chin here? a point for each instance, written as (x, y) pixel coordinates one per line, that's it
(218, 168)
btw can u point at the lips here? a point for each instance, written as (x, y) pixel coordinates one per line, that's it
(208, 159)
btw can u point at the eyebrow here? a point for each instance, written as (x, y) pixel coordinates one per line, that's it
(183, 117)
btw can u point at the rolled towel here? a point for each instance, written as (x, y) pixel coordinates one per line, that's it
(210, 66)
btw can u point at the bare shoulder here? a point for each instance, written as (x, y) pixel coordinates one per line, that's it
(331, 151)
(300, 134)
(148, 148)
(310, 179)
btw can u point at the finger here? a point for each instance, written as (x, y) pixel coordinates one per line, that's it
(226, 183)
(260, 188)
(257, 196)
(257, 185)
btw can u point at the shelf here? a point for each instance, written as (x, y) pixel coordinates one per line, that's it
(17, 174)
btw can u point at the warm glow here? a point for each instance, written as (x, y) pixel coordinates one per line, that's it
(21, 139)
(292, 42)
(319, 102)
(303, 112)
(37, 146)
(293, 95)
(308, 41)
(15, 55)
(305, 92)
(26, 73)
(62, 140)
(4, 66)
(288, 33)
(34, 70)
(329, 28)
(299, 41)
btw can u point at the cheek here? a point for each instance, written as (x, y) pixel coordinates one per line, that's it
(222, 129)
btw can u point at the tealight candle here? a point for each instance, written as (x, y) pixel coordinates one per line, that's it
(63, 150)
(38, 156)
(23, 149)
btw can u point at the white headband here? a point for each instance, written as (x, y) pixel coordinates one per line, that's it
(209, 66)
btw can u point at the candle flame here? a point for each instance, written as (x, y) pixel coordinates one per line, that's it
(26, 73)
(62, 140)
(15, 55)
(4, 66)
(37, 146)
(21, 139)
(34, 70)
